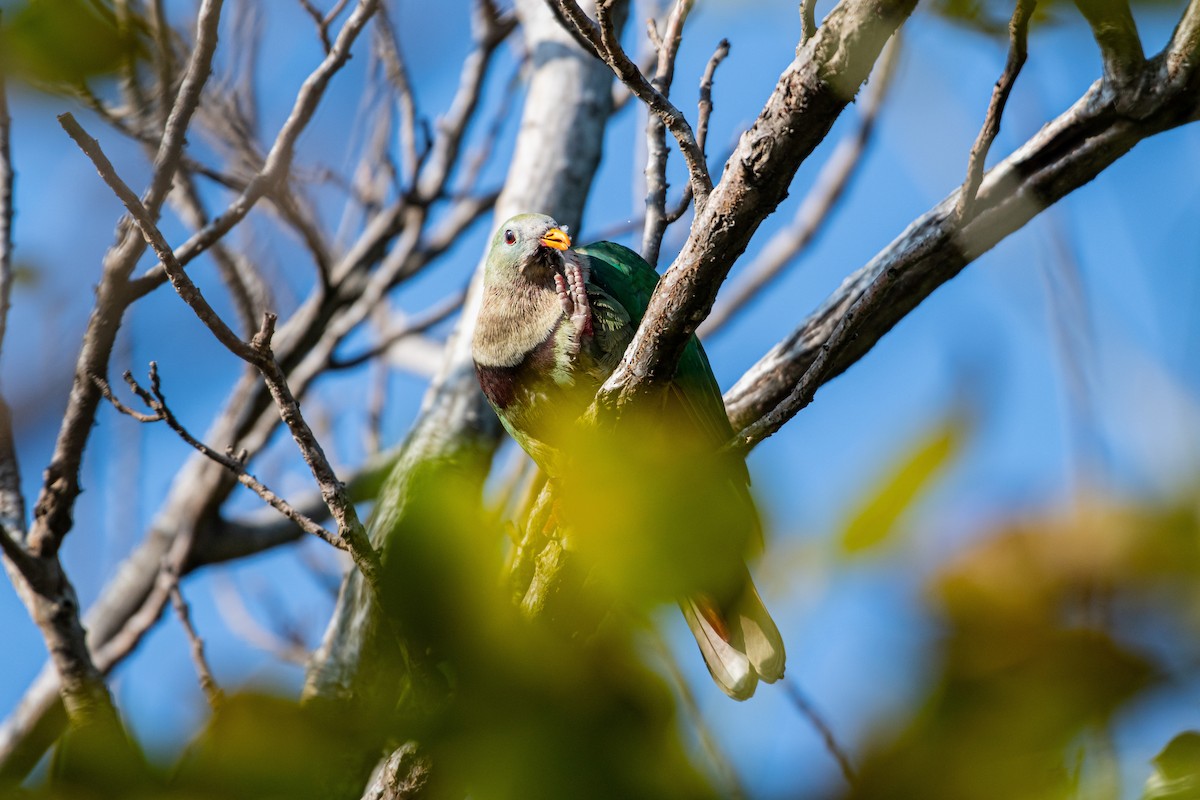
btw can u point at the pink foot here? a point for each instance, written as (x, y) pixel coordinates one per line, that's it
(572, 293)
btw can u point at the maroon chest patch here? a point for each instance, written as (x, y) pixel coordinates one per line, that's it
(501, 385)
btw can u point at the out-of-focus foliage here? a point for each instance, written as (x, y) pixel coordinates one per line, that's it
(504, 706)
(1176, 773)
(906, 480)
(55, 42)
(655, 512)
(1037, 651)
(991, 17)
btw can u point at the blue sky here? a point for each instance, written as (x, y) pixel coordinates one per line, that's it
(856, 631)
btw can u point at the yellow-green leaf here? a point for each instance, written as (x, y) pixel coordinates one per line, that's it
(883, 506)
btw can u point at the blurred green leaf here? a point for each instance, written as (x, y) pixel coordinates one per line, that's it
(654, 512)
(55, 42)
(506, 706)
(1176, 773)
(902, 485)
(991, 17)
(1007, 731)
(1033, 661)
(26, 274)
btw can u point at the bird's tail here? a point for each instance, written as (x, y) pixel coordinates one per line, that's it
(739, 641)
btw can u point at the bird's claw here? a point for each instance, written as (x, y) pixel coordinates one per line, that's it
(572, 293)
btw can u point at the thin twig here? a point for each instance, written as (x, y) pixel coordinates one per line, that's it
(387, 44)
(279, 159)
(435, 314)
(808, 20)
(212, 692)
(319, 19)
(157, 403)
(705, 107)
(656, 132)
(705, 104)
(52, 513)
(111, 397)
(491, 28)
(676, 212)
(242, 623)
(6, 210)
(602, 40)
(1018, 35)
(810, 712)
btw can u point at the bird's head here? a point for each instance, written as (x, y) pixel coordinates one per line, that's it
(527, 247)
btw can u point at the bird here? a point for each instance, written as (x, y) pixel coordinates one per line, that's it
(553, 323)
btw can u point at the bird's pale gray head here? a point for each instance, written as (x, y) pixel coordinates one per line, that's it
(527, 246)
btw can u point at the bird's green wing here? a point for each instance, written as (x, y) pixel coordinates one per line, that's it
(625, 276)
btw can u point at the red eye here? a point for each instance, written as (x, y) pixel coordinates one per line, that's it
(510, 237)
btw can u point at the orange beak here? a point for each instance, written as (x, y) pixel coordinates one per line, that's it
(556, 238)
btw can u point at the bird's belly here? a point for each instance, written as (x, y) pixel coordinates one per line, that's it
(539, 398)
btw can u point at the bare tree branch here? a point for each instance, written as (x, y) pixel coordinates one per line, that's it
(603, 42)
(787, 244)
(1064, 155)
(809, 711)
(278, 159)
(806, 101)
(1117, 35)
(52, 513)
(212, 692)
(156, 402)
(656, 132)
(438, 313)
(808, 20)
(131, 602)
(1018, 36)
(257, 352)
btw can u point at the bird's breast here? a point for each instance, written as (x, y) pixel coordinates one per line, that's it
(520, 383)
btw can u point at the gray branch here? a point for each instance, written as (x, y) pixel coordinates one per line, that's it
(1066, 154)
(810, 95)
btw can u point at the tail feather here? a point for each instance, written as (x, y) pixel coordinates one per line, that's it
(763, 644)
(741, 644)
(730, 669)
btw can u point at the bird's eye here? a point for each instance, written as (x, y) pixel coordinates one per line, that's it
(510, 237)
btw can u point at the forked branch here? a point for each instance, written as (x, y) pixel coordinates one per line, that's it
(1018, 48)
(600, 37)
